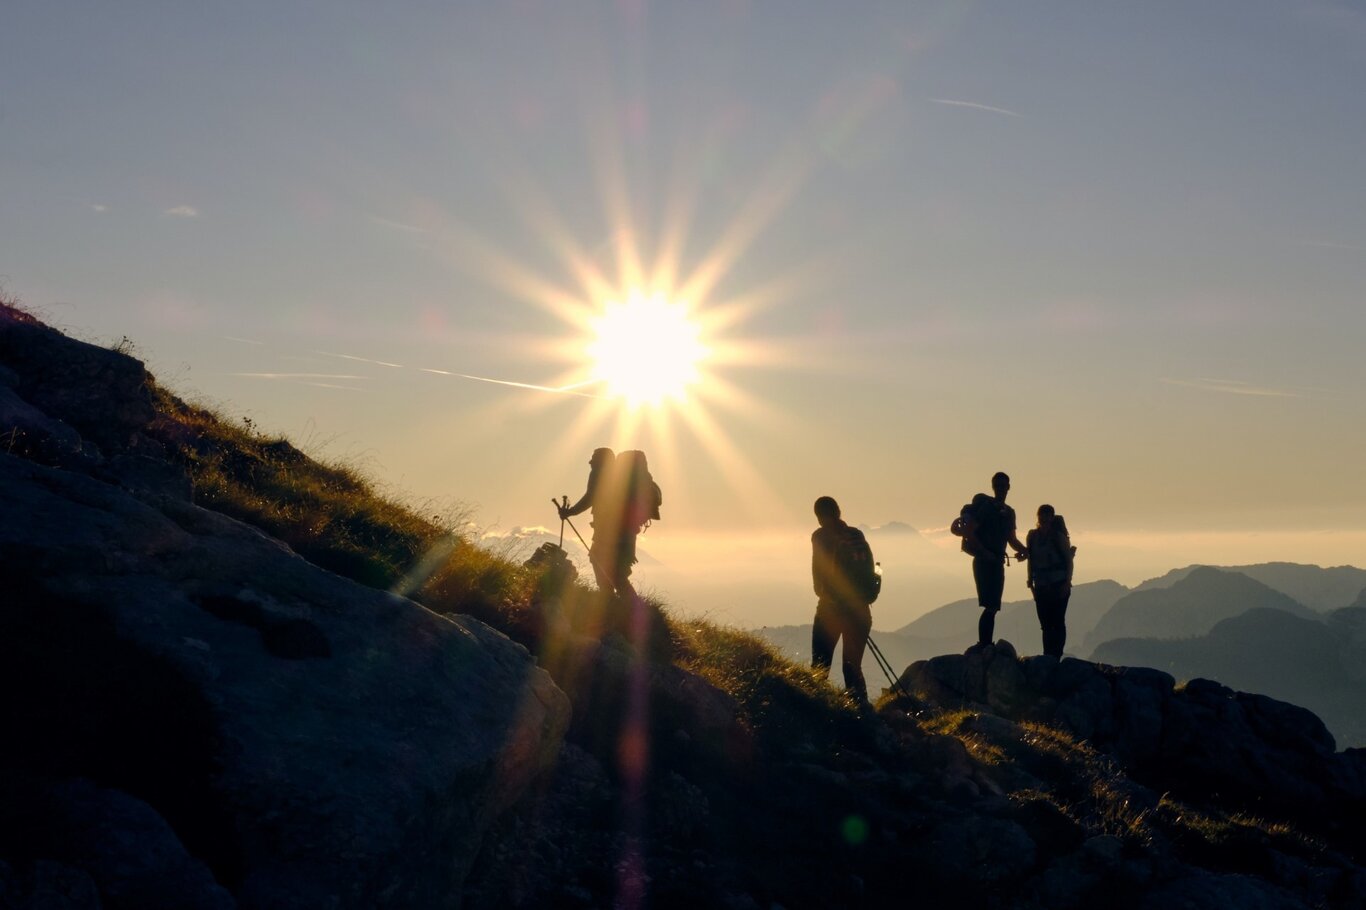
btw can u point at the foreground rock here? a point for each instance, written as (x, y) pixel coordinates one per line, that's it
(1202, 740)
(299, 740)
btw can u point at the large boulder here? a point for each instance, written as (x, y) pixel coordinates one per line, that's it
(311, 741)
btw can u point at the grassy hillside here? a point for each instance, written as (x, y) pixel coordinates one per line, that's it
(701, 767)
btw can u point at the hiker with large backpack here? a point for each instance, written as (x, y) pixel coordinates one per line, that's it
(987, 526)
(602, 497)
(624, 499)
(1050, 576)
(846, 581)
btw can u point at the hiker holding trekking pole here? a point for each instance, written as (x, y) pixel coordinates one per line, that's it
(846, 581)
(625, 500)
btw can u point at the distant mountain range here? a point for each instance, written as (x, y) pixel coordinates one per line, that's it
(1318, 588)
(1315, 661)
(1190, 606)
(1246, 626)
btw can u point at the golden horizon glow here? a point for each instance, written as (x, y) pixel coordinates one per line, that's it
(646, 349)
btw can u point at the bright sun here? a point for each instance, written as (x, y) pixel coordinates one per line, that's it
(646, 349)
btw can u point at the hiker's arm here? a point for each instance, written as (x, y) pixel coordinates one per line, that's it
(582, 505)
(1021, 551)
(820, 566)
(1068, 552)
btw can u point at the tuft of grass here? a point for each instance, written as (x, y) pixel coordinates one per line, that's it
(1229, 838)
(13, 310)
(786, 704)
(327, 513)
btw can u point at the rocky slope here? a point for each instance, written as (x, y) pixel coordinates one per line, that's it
(196, 715)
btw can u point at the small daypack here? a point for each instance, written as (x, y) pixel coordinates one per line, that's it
(643, 496)
(1048, 558)
(854, 561)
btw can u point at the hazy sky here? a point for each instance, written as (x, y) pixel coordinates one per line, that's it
(1118, 250)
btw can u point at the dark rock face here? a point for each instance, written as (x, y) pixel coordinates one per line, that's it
(310, 742)
(1204, 739)
(101, 394)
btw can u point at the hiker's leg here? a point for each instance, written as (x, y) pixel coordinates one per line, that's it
(1051, 604)
(859, 623)
(989, 573)
(1041, 610)
(822, 639)
(1060, 627)
(626, 558)
(986, 627)
(601, 559)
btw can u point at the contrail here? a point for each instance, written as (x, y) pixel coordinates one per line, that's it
(383, 363)
(974, 105)
(299, 375)
(1229, 387)
(560, 390)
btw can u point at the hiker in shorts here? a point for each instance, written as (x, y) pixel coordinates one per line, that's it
(1050, 576)
(990, 528)
(613, 551)
(840, 611)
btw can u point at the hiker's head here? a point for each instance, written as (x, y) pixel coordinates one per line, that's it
(827, 510)
(1000, 484)
(601, 459)
(1046, 514)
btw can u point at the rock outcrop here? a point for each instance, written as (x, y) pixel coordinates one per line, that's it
(1202, 740)
(194, 716)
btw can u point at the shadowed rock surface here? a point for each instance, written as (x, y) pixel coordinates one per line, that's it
(198, 716)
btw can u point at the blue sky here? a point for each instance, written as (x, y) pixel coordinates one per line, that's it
(1116, 249)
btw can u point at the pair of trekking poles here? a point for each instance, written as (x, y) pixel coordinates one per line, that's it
(878, 656)
(886, 666)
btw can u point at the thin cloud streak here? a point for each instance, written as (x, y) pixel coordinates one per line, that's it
(398, 225)
(382, 363)
(329, 385)
(299, 375)
(975, 106)
(242, 340)
(1333, 245)
(555, 390)
(1230, 387)
(182, 211)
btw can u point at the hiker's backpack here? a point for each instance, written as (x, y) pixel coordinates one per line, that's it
(855, 564)
(983, 515)
(1048, 558)
(643, 496)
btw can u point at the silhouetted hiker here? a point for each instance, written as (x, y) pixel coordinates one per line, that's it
(624, 499)
(987, 524)
(611, 554)
(1050, 576)
(838, 555)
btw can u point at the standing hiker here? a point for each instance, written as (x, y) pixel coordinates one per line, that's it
(987, 525)
(1050, 576)
(625, 500)
(841, 568)
(605, 497)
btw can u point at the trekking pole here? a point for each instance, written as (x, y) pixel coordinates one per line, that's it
(562, 521)
(886, 666)
(571, 525)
